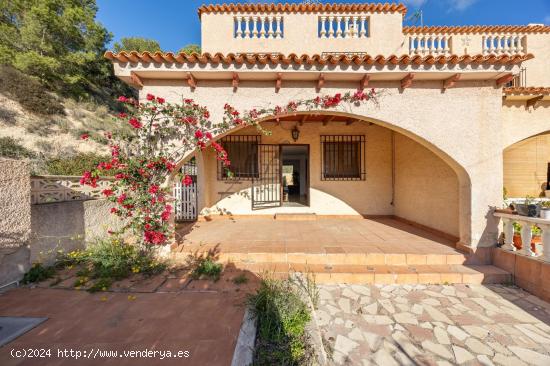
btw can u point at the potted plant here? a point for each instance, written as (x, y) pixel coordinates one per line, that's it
(545, 210)
(528, 208)
(535, 238)
(517, 235)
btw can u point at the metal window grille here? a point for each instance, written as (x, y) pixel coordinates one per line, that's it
(242, 151)
(343, 157)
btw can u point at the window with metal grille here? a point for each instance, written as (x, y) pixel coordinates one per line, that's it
(343, 157)
(242, 152)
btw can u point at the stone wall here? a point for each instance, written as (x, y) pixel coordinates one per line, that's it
(68, 226)
(15, 219)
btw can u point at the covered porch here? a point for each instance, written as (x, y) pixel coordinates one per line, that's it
(335, 250)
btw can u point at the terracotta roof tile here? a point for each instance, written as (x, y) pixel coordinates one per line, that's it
(262, 58)
(527, 90)
(478, 29)
(303, 8)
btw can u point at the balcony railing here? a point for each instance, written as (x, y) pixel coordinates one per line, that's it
(499, 44)
(430, 44)
(542, 249)
(343, 26)
(258, 26)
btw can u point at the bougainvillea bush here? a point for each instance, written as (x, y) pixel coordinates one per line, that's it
(163, 133)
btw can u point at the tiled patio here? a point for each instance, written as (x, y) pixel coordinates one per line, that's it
(321, 236)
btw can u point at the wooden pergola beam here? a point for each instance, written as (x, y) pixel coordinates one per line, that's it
(450, 82)
(327, 120)
(235, 81)
(350, 121)
(302, 120)
(364, 82)
(320, 82)
(504, 79)
(136, 79)
(278, 82)
(407, 80)
(191, 81)
(533, 101)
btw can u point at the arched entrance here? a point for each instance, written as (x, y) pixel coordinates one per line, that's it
(391, 172)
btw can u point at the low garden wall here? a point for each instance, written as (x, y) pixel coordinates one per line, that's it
(68, 226)
(529, 273)
(15, 220)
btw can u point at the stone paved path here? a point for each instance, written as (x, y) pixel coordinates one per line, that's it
(433, 325)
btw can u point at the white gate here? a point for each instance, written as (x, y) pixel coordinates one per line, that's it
(186, 196)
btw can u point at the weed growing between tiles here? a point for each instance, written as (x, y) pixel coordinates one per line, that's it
(282, 317)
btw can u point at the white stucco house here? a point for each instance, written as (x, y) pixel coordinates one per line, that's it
(453, 101)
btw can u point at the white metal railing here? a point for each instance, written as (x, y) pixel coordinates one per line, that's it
(543, 250)
(429, 44)
(258, 26)
(343, 26)
(503, 44)
(59, 188)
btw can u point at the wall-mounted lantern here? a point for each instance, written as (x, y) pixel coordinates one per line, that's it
(295, 133)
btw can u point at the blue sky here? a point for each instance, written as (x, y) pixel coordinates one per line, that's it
(174, 23)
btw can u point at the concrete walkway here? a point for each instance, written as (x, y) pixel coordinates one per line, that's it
(433, 325)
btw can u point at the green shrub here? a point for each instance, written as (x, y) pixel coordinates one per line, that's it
(240, 279)
(207, 267)
(10, 148)
(282, 317)
(32, 95)
(38, 273)
(74, 165)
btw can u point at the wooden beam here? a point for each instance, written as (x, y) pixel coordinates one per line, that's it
(450, 82)
(407, 80)
(350, 121)
(531, 102)
(136, 79)
(504, 79)
(191, 81)
(235, 81)
(320, 82)
(328, 119)
(278, 82)
(364, 82)
(302, 120)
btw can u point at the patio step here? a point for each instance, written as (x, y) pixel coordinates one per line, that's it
(296, 216)
(357, 274)
(334, 259)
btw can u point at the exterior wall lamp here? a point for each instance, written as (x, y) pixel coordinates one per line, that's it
(295, 133)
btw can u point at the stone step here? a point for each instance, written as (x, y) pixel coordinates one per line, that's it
(296, 216)
(334, 259)
(382, 274)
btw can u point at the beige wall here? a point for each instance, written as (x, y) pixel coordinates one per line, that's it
(15, 219)
(519, 123)
(371, 196)
(525, 166)
(300, 36)
(426, 189)
(538, 68)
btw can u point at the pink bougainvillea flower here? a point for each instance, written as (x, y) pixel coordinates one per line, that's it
(160, 100)
(153, 189)
(135, 123)
(120, 199)
(122, 115)
(122, 99)
(198, 134)
(187, 180)
(150, 97)
(84, 136)
(208, 135)
(107, 192)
